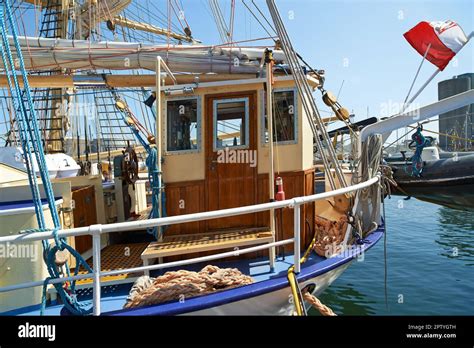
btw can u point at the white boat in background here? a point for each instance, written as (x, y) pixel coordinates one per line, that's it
(59, 165)
(65, 165)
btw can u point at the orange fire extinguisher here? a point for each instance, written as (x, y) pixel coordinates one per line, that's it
(280, 195)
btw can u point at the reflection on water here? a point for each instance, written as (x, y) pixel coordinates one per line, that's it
(423, 269)
(350, 301)
(456, 234)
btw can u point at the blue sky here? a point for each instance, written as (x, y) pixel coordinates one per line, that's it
(367, 35)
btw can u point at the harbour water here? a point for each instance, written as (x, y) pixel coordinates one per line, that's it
(430, 265)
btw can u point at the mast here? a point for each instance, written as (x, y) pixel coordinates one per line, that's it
(54, 24)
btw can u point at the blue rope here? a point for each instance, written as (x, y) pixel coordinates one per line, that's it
(153, 177)
(421, 142)
(34, 132)
(31, 144)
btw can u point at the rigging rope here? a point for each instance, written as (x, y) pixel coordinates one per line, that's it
(258, 20)
(31, 144)
(151, 163)
(320, 135)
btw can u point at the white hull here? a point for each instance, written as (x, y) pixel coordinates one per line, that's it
(273, 303)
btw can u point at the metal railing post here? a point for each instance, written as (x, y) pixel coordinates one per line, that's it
(297, 229)
(95, 230)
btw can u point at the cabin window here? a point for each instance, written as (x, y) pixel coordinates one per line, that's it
(183, 125)
(231, 119)
(284, 117)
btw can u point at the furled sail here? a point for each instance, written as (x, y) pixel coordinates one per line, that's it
(42, 54)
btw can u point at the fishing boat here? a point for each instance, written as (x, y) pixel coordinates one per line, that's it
(225, 218)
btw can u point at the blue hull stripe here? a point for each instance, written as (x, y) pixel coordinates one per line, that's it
(251, 290)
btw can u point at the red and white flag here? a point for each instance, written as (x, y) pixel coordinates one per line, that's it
(446, 39)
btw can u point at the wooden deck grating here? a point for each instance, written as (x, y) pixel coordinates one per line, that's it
(190, 243)
(115, 257)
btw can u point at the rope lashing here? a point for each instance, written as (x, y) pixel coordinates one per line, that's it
(420, 142)
(67, 290)
(386, 180)
(33, 152)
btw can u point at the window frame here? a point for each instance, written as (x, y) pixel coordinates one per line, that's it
(198, 128)
(214, 122)
(296, 115)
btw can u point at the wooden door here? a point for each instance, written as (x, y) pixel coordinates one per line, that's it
(231, 156)
(84, 215)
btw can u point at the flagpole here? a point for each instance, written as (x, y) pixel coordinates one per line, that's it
(405, 106)
(416, 76)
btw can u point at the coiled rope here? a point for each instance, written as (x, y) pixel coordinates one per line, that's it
(179, 285)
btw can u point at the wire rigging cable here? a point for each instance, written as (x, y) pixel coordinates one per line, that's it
(321, 137)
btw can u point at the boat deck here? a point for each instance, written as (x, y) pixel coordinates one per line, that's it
(266, 279)
(113, 297)
(115, 257)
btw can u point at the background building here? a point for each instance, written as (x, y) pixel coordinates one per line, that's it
(458, 122)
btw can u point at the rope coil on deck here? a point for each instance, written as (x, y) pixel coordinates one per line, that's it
(178, 285)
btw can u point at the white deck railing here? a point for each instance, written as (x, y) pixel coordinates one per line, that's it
(96, 230)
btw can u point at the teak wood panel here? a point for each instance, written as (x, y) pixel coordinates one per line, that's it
(189, 197)
(295, 184)
(185, 198)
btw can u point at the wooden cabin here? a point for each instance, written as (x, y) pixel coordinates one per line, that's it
(216, 153)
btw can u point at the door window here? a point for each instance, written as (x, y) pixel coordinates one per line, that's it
(231, 119)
